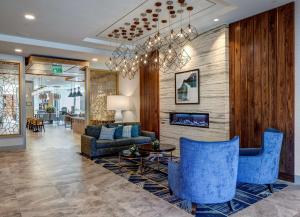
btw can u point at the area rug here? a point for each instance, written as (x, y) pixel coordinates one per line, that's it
(156, 182)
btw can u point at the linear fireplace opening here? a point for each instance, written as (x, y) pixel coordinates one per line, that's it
(190, 119)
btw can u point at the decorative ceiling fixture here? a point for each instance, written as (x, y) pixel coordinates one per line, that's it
(78, 92)
(71, 93)
(74, 93)
(170, 44)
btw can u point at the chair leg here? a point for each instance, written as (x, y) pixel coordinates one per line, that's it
(194, 208)
(231, 206)
(270, 187)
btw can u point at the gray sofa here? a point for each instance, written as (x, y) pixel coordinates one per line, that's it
(92, 147)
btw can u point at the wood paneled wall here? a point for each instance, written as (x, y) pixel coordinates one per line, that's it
(262, 80)
(149, 95)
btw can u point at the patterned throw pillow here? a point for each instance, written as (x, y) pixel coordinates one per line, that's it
(127, 131)
(107, 133)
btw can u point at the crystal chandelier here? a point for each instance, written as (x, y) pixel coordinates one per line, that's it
(170, 44)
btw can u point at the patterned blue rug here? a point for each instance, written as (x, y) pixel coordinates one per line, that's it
(156, 182)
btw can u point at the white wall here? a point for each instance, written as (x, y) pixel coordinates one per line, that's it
(297, 93)
(17, 141)
(131, 88)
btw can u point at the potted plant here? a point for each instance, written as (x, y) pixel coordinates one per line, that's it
(155, 144)
(50, 110)
(134, 150)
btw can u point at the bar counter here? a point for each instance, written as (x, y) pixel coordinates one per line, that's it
(78, 124)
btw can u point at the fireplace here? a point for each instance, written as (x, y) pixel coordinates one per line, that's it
(190, 119)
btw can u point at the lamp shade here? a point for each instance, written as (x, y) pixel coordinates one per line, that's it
(117, 103)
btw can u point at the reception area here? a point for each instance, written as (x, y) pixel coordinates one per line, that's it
(150, 108)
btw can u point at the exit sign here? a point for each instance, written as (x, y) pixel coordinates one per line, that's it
(56, 69)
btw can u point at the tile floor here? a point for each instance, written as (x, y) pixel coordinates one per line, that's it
(51, 179)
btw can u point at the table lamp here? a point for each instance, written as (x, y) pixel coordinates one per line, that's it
(118, 103)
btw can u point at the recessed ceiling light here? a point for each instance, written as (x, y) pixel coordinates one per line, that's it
(18, 50)
(29, 17)
(216, 19)
(95, 59)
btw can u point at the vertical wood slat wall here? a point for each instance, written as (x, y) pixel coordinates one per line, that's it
(149, 95)
(262, 80)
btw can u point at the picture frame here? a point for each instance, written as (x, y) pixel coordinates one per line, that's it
(187, 87)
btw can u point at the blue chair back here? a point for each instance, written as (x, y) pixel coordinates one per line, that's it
(209, 170)
(272, 143)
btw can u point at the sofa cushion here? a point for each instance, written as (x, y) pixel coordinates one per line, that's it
(118, 132)
(135, 130)
(113, 143)
(107, 133)
(141, 140)
(127, 131)
(93, 131)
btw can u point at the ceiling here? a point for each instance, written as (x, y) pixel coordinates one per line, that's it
(65, 28)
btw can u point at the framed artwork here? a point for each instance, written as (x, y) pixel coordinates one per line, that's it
(187, 87)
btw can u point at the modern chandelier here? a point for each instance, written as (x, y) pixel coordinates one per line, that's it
(168, 42)
(74, 93)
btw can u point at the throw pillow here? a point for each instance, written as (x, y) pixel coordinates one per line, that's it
(93, 131)
(136, 130)
(127, 131)
(118, 132)
(107, 133)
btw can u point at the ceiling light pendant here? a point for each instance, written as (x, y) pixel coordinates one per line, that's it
(181, 33)
(189, 10)
(172, 33)
(71, 93)
(170, 48)
(74, 93)
(78, 92)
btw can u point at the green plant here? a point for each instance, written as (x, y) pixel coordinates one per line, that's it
(155, 144)
(134, 149)
(50, 109)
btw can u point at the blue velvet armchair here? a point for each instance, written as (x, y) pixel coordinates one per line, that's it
(207, 172)
(261, 166)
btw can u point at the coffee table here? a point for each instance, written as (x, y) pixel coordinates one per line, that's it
(126, 154)
(148, 148)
